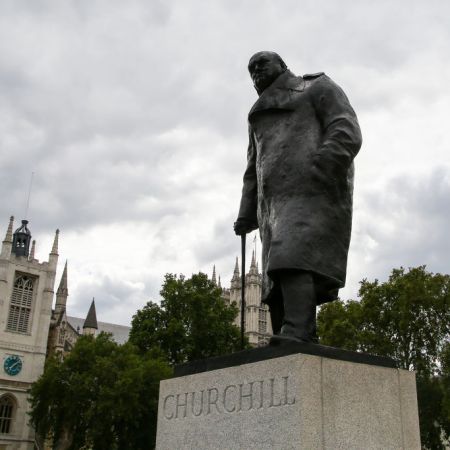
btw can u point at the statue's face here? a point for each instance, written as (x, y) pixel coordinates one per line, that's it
(264, 68)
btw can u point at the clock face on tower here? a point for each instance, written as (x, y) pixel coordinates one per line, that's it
(12, 365)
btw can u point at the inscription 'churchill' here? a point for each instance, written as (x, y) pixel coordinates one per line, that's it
(233, 398)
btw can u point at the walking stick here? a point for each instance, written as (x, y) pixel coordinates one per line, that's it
(243, 236)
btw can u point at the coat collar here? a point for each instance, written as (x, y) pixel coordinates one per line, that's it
(277, 94)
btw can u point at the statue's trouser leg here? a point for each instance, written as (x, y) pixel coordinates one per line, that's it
(299, 300)
(275, 304)
(276, 315)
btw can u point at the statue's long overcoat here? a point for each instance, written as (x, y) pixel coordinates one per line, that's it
(298, 185)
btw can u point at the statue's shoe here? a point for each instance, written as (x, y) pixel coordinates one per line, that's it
(280, 339)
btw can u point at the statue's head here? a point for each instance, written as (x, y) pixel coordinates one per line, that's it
(265, 68)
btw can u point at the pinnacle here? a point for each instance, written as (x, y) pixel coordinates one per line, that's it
(62, 288)
(55, 244)
(236, 275)
(33, 249)
(91, 318)
(9, 232)
(253, 264)
(236, 267)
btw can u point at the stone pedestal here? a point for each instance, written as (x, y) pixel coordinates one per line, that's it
(321, 398)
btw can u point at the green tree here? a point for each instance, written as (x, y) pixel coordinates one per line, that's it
(192, 322)
(445, 384)
(406, 318)
(338, 324)
(102, 396)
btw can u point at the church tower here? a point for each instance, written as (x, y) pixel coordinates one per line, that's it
(258, 327)
(61, 336)
(26, 294)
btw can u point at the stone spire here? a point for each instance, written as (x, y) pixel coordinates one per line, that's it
(53, 257)
(33, 250)
(219, 284)
(253, 267)
(9, 231)
(62, 293)
(213, 279)
(236, 268)
(90, 324)
(21, 240)
(253, 277)
(55, 244)
(236, 279)
(7, 242)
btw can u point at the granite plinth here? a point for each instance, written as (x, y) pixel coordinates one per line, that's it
(293, 401)
(269, 352)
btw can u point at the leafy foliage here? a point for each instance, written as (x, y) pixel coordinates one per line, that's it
(406, 318)
(433, 424)
(102, 396)
(192, 322)
(338, 324)
(445, 360)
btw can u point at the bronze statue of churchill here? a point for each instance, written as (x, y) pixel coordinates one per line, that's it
(303, 136)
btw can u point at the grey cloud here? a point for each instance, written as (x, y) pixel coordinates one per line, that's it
(115, 299)
(406, 221)
(223, 244)
(136, 112)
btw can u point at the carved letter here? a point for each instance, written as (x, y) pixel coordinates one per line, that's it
(225, 399)
(249, 396)
(261, 394)
(193, 403)
(212, 401)
(181, 405)
(272, 403)
(165, 406)
(286, 401)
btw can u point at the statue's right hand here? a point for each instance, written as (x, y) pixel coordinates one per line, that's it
(242, 226)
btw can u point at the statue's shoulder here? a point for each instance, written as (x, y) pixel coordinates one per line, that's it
(311, 79)
(313, 76)
(319, 82)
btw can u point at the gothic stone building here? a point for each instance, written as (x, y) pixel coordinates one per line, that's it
(26, 295)
(258, 327)
(30, 329)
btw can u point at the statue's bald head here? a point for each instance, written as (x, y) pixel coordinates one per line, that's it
(265, 68)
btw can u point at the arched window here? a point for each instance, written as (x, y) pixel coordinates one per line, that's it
(21, 303)
(6, 414)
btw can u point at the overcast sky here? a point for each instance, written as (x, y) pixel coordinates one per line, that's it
(133, 117)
